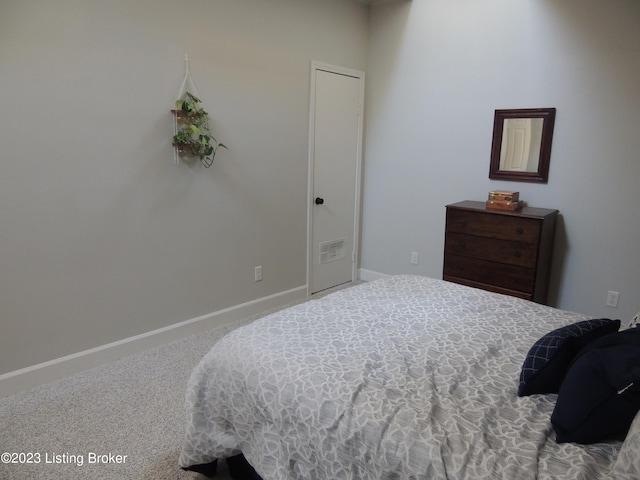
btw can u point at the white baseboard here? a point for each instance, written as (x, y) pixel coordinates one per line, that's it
(370, 275)
(35, 375)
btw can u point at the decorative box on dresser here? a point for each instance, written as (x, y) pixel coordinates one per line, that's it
(501, 251)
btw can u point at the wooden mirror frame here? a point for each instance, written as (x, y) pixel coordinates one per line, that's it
(548, 116)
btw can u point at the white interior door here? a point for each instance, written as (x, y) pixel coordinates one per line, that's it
(521, 143)
(334, 175)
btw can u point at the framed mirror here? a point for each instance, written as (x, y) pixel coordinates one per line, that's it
(521, 146)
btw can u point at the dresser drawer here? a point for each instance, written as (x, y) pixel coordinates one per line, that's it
(502, 251)
(503, 227)
(477, 270)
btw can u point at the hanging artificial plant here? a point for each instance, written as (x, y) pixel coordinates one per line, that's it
(194, 137)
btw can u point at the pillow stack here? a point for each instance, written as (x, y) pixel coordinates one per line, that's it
(548, 359)
(595, 370)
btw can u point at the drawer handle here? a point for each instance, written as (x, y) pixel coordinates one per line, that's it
(517, 254)
(519, 230)
(463, 223)
(463, 244)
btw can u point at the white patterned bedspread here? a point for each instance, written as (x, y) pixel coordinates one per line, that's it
(402, 378)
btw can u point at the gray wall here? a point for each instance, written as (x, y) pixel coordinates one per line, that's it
(438, 69)
(102, 236)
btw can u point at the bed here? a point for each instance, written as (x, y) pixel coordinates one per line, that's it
(405, 377)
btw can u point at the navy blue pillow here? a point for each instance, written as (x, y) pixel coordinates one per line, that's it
(600, 395)
(548, 359)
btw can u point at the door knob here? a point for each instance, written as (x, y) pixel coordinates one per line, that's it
(319, 201)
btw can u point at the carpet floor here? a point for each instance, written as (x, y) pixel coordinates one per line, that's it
(122, 420)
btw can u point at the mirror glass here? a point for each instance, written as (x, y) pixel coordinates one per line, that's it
(521, 146)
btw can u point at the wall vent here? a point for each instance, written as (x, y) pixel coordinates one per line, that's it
(333, 250)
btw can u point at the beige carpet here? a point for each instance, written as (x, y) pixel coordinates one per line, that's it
(133, 407)
(123, 420)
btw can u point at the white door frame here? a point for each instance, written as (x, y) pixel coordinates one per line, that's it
(315, 66)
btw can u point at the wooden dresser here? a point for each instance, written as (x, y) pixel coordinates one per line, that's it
(499, 250)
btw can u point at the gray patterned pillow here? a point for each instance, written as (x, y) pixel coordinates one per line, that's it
(549, 358)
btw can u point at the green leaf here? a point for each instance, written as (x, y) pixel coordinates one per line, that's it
(195, 130)
(192, 97)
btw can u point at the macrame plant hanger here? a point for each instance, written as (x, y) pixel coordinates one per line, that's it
(188, 85)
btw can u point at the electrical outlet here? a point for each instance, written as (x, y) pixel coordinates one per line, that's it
(257, 274)
(612, 298)
(414, 258)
